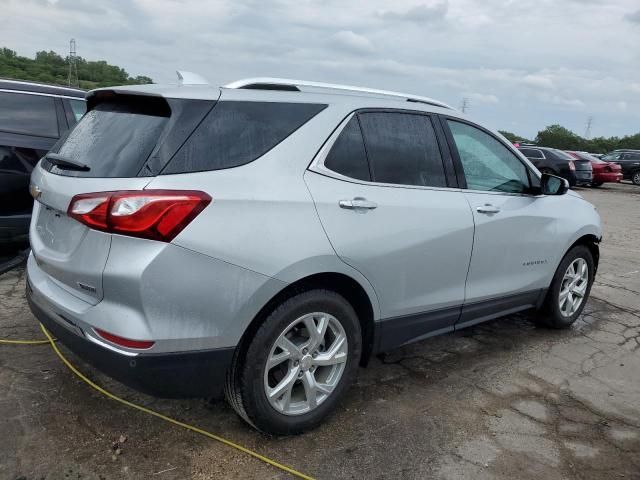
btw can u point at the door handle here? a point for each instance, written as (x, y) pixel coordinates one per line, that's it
(487, 208)
(358, 203)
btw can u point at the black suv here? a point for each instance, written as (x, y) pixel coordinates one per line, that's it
(33, 117)
(557, 162)
(629, 160)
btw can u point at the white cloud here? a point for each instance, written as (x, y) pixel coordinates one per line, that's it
(352, 42)
(482, 97)
(422, 13)
(541, 69)
(538, 81)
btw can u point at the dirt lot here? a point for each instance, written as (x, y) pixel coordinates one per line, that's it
(502, 400)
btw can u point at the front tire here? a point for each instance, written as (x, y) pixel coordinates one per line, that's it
(298, 365)
(569, 289)
(597, 184)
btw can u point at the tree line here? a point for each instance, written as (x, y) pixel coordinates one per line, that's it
(557, 136)
(49, 67)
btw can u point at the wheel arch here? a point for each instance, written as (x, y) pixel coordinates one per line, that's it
(592, 242)
(341, 283)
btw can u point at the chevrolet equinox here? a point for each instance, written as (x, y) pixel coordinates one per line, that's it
(266, 238)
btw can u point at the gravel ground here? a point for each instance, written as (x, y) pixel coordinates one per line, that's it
(501, 400)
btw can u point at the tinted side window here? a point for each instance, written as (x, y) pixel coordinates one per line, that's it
(236, 133)
(402, 149)
(488, 165)
(347, 156)
(631, 156)
(28, 114)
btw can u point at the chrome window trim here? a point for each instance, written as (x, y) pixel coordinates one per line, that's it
(317, 164)
(22, 92)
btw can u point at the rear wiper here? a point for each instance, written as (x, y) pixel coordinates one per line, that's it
(62, 162)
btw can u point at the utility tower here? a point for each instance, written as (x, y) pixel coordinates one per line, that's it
(587, 132)
(464, 106)
(73, 66)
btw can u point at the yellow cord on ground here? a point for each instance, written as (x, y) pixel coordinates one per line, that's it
(24, 342)
(95, 386)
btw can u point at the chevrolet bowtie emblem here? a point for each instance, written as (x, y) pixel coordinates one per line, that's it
(35, 191)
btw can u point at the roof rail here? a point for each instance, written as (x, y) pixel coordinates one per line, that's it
(268, 83)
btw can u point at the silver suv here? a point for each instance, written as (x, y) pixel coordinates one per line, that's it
(268, 237)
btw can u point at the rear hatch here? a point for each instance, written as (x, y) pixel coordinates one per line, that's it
(123, 141)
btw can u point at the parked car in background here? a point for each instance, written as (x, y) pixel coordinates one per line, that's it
(629, 160)
(603, 171)
(557, 162)
(269, 236)
(33, 117)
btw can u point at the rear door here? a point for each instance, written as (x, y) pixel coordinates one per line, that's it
(123, 140)
(515, 228)
(383, 197)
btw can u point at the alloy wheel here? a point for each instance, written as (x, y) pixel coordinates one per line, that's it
(305, 363)
(573, 288)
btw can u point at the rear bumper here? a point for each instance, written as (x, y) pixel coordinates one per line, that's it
(172, 375)
(607, 177)
(14, 228)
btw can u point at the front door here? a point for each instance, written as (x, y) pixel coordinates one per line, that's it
(515, 229)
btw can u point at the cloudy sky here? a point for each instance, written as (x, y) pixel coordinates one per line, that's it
(522, 64)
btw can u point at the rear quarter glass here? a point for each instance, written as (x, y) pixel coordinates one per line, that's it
(235, 133)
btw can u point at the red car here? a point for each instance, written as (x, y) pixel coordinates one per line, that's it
(602, 171)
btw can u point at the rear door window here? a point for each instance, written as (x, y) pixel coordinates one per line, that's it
(28, 114)
(236, 133)
(402, 149)
(115, 138)
(348, 156)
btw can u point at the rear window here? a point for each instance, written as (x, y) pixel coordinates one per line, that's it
(531, 153)
(28, 114)
(115, 138)
(236, 133)
(561, 154)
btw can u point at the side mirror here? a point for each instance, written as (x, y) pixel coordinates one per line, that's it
(553, 185)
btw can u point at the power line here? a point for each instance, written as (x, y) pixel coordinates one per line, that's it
(73, 66)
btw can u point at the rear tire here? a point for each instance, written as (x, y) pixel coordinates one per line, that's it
(635, 177)
(597, 184)
(287, 380)
(569, 290)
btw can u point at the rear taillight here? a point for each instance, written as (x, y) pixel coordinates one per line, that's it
(153, 214)
(124, 342)
(572, 166)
